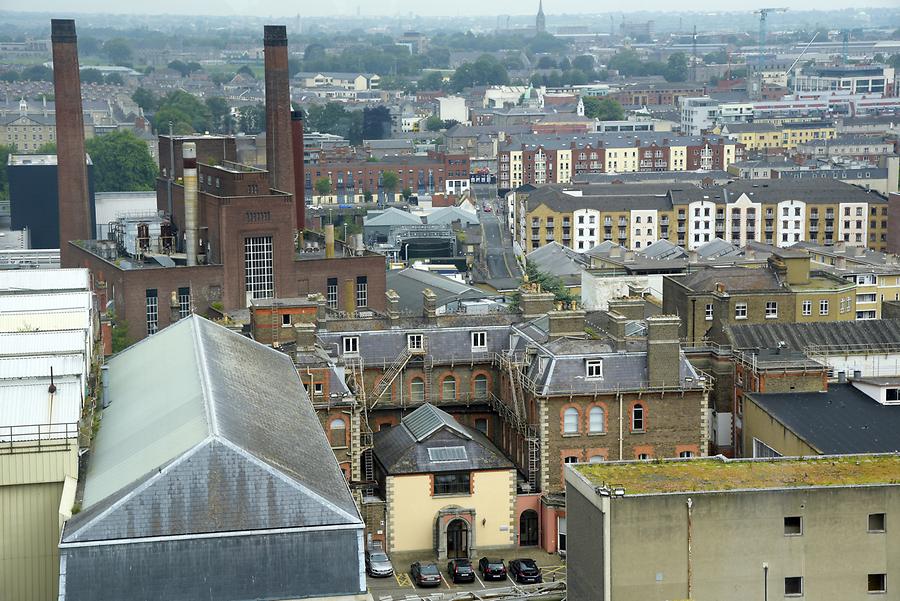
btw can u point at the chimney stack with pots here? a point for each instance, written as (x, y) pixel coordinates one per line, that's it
(279, 156)
(75, 218)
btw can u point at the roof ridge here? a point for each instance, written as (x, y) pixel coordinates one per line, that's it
(205, 380)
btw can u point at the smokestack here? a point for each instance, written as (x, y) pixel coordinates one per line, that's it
(75, 219)
(189, 154)
(279, 158)
(329, 241)
(299, 175)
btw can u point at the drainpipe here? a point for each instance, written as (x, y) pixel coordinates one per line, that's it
(621, 426)
(690, 533)
(607, 545)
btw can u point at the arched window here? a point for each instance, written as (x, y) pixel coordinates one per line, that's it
(337, 430)
(417, 390)
(448, 389)
(571, 459)
(570, 421)
(637, 418)
(480, 385)
(595, 420)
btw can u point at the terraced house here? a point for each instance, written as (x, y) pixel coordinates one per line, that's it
(544, 159)
(778, 212)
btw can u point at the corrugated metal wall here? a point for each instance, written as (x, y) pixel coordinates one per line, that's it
(31, 486)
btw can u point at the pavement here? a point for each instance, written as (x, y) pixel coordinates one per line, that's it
(501, 265)
(401, 586)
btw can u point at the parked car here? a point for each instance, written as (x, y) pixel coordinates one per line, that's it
(492, 568)
(487, 208)
(378, 564)
(425, 574)
(524, 570)
(460, 570)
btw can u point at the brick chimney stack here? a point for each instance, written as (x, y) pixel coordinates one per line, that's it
(298, 170)
(279, 154)
(75, 219)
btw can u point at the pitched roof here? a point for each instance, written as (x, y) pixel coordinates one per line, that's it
(410, 283)
(431, 440)
(840, 420)
(558, 260)
(392, 216)
(734, 278)
(188, 452)
(874, 333)
(447, 215)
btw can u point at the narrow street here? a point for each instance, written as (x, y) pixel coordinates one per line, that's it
(500, 260)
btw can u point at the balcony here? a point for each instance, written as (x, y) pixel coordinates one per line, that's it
(681, 229)
(623, 222)
(769, 230)
(829, 229)
(813, 228)
(664, 221)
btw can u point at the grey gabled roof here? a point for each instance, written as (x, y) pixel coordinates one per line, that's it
(207, 431)
(447, 215)
(839, 421)
(410, 283)
(392, 216)
(423, 441)
(558, 260)
(875, 333)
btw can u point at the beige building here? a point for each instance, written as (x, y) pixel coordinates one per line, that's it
(742, 530)
(448, 489)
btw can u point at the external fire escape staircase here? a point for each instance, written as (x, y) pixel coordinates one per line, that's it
(366, 442)
(519, 416)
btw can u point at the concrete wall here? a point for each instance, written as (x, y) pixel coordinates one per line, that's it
(732, 535)
(597, 290)
(412, 510)
(31, 489)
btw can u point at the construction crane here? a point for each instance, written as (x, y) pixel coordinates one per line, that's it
(763, 14)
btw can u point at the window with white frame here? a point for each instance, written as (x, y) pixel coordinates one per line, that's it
(258, 267)
(570, 421)
(480, 386)
(594, 368)
(771, 309)
(414, 342)
(417, 389)
(686, 454)
(331, 293)
(184, 302)
(596, 420)
(823, 307)
(637, 418)
(351, 345)
(152, 303)
(740, 311)
(806, 307)
(479, 341)
(761, 449)
(709, 311)
(362, 292)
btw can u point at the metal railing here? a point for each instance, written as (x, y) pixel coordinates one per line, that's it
(38, 438)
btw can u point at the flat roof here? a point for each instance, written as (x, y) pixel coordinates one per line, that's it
(722, 474)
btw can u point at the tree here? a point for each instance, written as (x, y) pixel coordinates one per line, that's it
(118, 51)
(626, 62)
(252, 119)
(434, 123)
(122, 162)
(676, 67)
(145, 99)
(46, 148)
(114, 79)
(433, 80)
(376, 123)
(5, 151)
(185, 111)
(894, 61)
(585, 63)
(406, 192)
(546, 62)
(390, 181)
(245, 70)
(220, 114)
(548, 283)
(91, 76)
(194, 67)
(9, 75)
(487, 70)
(604, 109)
(179, 66)
(719, 57)
(37, 73)
(323, 186)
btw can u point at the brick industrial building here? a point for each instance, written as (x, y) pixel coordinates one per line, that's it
(217, 243)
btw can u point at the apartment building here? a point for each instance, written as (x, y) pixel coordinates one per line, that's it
(698, 115)
(787, 289)
(777, 212)
(734, 529)
(539, 159)
(346, 81)
(353, 180)
(860, 148)
(862, 79)
(756, 137)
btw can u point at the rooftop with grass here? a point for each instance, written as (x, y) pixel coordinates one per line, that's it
(721, 474)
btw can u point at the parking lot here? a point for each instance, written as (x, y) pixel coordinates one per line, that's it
(400, 585)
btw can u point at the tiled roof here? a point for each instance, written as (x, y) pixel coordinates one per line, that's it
(880, 333)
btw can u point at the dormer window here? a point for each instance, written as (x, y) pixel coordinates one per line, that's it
(351, 345)
(594, 369)
(414, 342)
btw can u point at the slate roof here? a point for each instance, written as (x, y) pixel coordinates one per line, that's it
(392, 216)
(877, 333)
(558, 260)
(207, 448)
(840, 421)
(447, 215)
(734, 278)
(404, 449)
(410, 283)
(615, 197)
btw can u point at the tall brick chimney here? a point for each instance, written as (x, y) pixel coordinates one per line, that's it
(279, 155)
(299, 174)
(75, 219)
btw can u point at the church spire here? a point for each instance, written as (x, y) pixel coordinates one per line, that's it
(539, 22)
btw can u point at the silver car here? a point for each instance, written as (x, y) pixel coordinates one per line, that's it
(378, 564)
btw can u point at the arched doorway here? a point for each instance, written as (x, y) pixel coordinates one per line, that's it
(528, 528)
(457, 539)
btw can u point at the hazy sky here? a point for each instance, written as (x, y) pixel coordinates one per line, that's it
(422, 7)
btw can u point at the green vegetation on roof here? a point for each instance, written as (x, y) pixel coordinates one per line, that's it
(699, 475)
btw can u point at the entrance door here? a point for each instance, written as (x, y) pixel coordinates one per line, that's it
(457, 539)
(528, 528)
